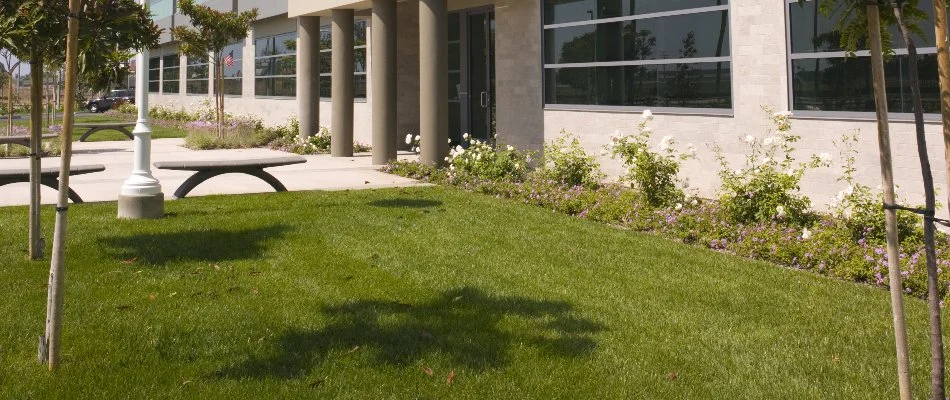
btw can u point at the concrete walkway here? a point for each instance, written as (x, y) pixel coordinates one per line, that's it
(320, 172)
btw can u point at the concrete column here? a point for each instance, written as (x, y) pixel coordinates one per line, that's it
(433, 81)
(383, 79)
(308, 75)
(341, 128)
(141, 194)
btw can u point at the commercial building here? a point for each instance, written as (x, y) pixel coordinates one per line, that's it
(525, 70)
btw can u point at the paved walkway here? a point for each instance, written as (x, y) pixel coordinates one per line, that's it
(320, 172)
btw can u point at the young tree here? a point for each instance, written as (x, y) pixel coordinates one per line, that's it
(38, 35)
(213, 31)
(858, 20)
(9, 64)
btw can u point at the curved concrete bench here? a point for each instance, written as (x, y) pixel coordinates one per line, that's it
(94, 127)
(23, 140)
(49, 176)
(205, 170)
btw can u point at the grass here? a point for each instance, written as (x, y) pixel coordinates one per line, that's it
(158, 132)
(360, 294)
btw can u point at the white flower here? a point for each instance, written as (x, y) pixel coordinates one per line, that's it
(449, 141)
(517, 165)
(415, 149)
(780, 212)
(409, 139)
(694, 202)
(768, 141)
(749, 139)
(678, 207)
(452, 167)
(527, 158)
(465, 136)
(790, 172)
(647, 115)
(510, 148)
(446, 159)
(849, 190)
(806, 234)
(738, 172)
(666, 142)
(418, 137)
(825, 158)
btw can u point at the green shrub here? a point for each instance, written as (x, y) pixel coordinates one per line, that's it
(482, 161)
(858, 209)
(766, 187)
(565, 161)
(655, 173)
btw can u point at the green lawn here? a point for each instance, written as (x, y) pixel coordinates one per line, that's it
(158, 132)
(360, 294)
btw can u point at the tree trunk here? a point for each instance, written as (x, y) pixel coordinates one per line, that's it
(36, 148)
(54, 305)
(890, 215)
(933, 291)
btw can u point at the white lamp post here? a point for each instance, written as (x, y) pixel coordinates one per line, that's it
(141, 195)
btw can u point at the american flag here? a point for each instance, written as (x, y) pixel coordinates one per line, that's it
(229, 59)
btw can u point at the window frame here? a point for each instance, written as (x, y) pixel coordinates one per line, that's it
(207, 80)
(177, 79)
(149, 69)
(238, 60)
(839, 115)
(695, 111)
(274, 77)
(326, 53)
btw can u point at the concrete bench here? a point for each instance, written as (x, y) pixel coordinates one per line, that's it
(205, 170)
(23, 140)
(93, 127)
(49, 177)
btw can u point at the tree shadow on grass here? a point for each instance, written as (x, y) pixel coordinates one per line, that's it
(465, 327)
(405, 203)
(211, 245)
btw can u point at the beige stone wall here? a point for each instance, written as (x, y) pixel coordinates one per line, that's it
(518, 73)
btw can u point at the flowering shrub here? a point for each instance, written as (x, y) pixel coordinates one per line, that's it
(766, 187)
(857, 208)
(413, 142)
(287, 138)
(565, 161)
(655, 173)
(126, 108)
(481, 160)
(238, 133)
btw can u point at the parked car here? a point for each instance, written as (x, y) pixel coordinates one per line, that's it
(112, 99)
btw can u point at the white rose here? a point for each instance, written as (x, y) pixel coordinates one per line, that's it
(749, 139)
(806, 234)
(825, 157)
(780, 212)
(678, 207)
(647, 115)
(409, 139)
(510, 148)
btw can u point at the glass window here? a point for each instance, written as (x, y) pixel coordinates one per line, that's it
(275, 65)
(197, 74)
(170, 70)
(564, 11)
(686, 85)
(154, 74)
(642, 60)
(680, 36)
(823, 79)
(233, 73)
(359, 59)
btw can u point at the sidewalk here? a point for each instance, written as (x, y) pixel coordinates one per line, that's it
(320, 172)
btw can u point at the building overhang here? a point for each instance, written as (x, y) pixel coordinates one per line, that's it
(323, 8)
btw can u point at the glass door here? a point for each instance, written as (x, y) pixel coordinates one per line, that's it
(471, 74)
(481, 74)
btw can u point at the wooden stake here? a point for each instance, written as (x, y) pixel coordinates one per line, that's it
(54, 318)
(36, 148)
(890, 216)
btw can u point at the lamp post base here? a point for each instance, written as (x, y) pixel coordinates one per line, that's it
(142, 207)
